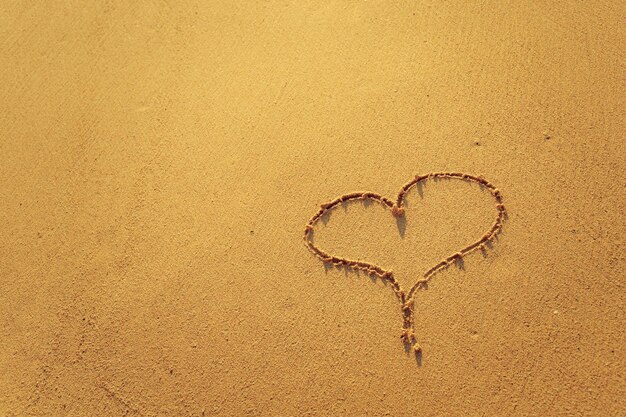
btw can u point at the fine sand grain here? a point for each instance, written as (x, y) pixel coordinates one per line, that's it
(159, 162)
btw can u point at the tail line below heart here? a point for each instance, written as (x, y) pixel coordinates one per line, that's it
(406, 298)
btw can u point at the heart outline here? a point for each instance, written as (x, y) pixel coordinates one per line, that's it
(397, 210)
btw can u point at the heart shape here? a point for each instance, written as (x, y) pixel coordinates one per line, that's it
(405, 297)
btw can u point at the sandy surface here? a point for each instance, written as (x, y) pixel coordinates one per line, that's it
(158, 164)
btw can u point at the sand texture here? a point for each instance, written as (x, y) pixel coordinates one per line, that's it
(359, 208)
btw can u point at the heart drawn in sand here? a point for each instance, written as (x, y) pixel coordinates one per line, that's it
(406, 296)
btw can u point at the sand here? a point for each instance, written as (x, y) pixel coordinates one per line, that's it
(159, 162)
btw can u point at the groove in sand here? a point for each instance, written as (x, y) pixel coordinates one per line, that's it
(406, 298)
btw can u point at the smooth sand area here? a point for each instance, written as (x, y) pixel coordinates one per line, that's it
(159, 162)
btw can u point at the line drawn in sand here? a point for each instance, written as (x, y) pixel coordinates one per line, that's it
(406, 298)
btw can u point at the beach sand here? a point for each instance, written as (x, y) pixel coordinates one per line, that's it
(159, 163)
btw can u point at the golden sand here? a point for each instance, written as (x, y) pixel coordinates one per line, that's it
(398, 210)
(159, 161)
